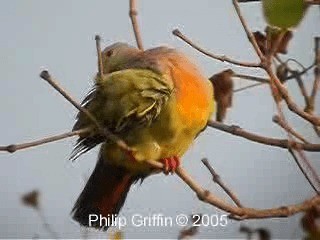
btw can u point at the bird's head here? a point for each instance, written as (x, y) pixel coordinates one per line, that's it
(117, 55)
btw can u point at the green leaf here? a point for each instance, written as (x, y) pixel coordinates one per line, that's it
(283, 13)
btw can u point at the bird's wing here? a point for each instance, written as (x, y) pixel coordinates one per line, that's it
(123, 100)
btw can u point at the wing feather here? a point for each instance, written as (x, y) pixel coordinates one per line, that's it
(124, 100)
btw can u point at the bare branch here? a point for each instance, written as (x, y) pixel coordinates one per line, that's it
(282, 143)
(261, 80)
(103, 130)
(46, 225)
(315, 120)
(316, 83)
(239, 213)
(289, 129)
(15, 147)
(253, 78)
(217, 179)
(303, 91)
(298, 76)
(133, 16)
(284, 124)
(248, 32)
(302, 170)
(221, 58)
(280, 120)
(247, 87)
(100, 65)
(294, 74)
(315, 176)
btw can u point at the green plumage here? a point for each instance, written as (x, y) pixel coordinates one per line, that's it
(122, 101)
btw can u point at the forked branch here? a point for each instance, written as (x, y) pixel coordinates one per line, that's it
(240, 213)
(217, 179)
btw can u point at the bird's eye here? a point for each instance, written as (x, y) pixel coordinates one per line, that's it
(109, 53)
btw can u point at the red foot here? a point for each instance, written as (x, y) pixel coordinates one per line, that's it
(170, 164)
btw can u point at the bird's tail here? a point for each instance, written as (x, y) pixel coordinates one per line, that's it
(103, 195)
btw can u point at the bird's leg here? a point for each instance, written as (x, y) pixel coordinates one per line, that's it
(170, 164)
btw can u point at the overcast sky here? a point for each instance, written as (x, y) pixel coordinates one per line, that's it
(59, 36)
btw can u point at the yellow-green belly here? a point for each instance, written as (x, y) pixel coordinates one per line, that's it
(171, 134)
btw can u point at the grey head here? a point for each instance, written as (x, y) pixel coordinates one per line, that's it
(115, 56)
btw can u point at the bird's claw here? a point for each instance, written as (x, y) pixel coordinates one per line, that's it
(170, 164)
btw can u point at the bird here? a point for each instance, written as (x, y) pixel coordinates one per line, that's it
(155, 100)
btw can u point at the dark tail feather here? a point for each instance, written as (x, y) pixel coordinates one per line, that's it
(104, 193)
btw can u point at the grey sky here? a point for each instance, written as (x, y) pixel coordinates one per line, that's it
(59, 36)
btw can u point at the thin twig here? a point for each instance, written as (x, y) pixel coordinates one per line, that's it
(221, 58)
(282, 143)
(277, 99)
(217, 179)
(248, 32)
(309, 104)
(46, 225)
(297, 62)
(280, 119)
(15, 147)
(310, 167)
(247, 87)
(315, 120)
(100, 65)
(280, 122)
(302, 169)
(103, 130)
(294, 74)
(133, 16)
(291, 131)
(253, 78)
(298, 76)
(316, 83)
(261, 80)
(284, 124)
(46, 76)
(303, 91)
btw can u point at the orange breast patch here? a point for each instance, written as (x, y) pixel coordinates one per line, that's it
(193, 93)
